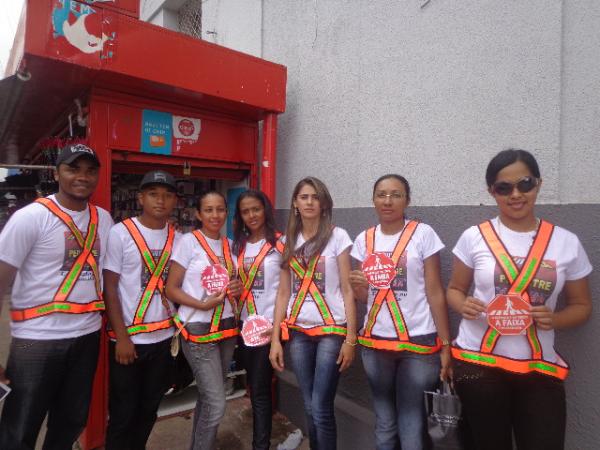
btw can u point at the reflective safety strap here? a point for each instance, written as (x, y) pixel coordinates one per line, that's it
(511, 365)
(519, 279)
(218, 310)
(147, 327)
(248, 278)
(308, 286)
(387, 294)
(156, 269)
(320, 330)
(399, 346)
(18, 315)
(86, 245)
(205, 338)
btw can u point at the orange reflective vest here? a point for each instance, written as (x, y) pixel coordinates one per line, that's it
(215, 333)
(403, 343)
(247, 297)
(155, 282)
(520, 280)
(60, 303)
(308, 286)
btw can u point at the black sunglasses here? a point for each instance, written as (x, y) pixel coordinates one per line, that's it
(524, 185)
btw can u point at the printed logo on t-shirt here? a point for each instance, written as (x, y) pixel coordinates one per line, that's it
(259, 279)
(72, 251)
(399, 283)
(318, 278)
(541, 287)
(146, 274)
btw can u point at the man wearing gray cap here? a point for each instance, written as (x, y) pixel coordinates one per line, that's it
(53, 250)
(135, 270)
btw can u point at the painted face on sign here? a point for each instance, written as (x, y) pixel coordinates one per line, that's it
(80, 25)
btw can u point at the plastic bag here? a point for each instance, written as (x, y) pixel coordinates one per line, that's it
(444, 419)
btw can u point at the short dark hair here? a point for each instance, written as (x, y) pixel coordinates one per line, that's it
(506, 158)
(397, 177)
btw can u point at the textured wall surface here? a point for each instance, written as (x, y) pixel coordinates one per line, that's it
(431, 93)
(578, 346)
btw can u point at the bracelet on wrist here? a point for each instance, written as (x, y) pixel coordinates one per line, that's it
(351, 344)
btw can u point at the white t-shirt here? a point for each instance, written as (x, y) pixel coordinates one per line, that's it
(190, 255)
(43, 248)
(266, 281)
(327, 279)
(124, 259)
(409, 283)
(565, 259)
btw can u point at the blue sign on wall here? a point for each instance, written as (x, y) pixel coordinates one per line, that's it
(157, 132)
(232, 196)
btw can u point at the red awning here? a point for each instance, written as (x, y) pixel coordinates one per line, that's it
(64, 48)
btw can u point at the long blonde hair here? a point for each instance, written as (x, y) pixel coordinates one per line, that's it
(317, 243)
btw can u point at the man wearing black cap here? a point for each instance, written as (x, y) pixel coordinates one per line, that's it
(53, 249)
(135, 269)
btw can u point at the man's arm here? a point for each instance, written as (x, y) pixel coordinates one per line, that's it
(7, 276)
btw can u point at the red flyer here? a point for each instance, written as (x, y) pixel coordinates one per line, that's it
(379, 269)
(256, 331)
(509, 314)
(215, 278)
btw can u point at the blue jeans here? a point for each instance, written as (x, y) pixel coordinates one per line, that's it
(52, 376)
(397, 381)
(210, 364)
(314, 363)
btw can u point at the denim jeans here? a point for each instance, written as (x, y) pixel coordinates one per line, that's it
(48, 376)
(314, 363)
(497, 403)
(397, 381)
(260, 376)
(210, 364)
(136, 391)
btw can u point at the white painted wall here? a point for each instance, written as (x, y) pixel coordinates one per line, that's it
(235, 24)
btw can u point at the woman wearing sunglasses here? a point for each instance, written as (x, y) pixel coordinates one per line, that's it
(507, 373)
(406, 325)
(258, 253)
(321, 316)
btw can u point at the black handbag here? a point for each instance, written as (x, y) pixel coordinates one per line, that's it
(444, 421)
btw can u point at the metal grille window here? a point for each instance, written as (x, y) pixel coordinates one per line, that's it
(190, 18)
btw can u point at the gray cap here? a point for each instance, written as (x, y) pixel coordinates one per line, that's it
(71, 152)
(158, 177)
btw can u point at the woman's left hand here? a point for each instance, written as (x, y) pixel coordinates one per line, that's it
(446, 373)
(346, 356)
(235, 288)
(543, 317)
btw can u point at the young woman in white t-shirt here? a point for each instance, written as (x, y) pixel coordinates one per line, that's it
(406, 326)
(210, 331)
(321, 316)
(512, 384)
(258, 252)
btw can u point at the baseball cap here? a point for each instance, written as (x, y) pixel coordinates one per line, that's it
(71, 152)
(158, 177)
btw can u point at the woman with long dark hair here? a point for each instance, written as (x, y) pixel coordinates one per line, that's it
(315, 307)
(406, 332)
(201, 268)
(258, 253)
(507, 373)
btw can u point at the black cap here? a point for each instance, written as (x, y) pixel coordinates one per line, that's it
(158, 177)
(71, 152)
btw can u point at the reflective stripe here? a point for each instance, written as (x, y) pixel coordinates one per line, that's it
(205, 338)
(155, 282)
(147, 327)
(247, 296)
(59, 303)
(519, 280)
(215, 321)
(399, 346)
(18, 315)
(511, 365)
(321, 330)
(387, 294)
